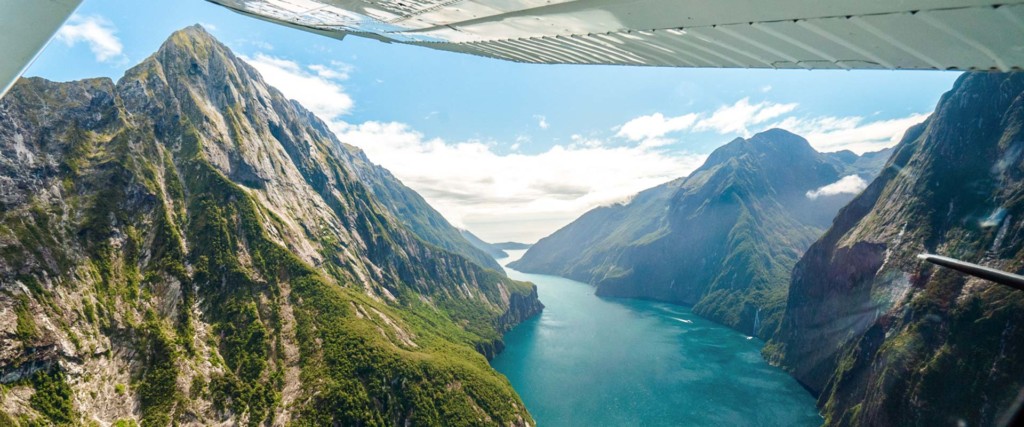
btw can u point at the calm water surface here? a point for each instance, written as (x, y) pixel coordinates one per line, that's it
(590, 361)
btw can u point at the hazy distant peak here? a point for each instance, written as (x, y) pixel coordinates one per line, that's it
(776, 135)
(772, 145)
(781, 140)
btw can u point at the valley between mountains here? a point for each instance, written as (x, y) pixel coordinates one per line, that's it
(832, 282)
(187, 246)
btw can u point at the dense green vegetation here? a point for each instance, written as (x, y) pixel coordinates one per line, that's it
(26, 327)
(157, 388)
(52, 397)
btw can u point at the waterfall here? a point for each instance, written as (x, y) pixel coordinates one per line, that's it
(1001, 234)
(757, 321)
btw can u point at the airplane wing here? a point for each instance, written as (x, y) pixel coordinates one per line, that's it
(25, 28)
(991, 274)
(811, 34)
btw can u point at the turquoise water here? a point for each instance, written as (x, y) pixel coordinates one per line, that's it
(590, 361)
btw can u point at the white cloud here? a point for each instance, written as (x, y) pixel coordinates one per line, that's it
(744, 118)
(520, 140)
(320, 92)
(542, 121)
(850, 133)
(509, 195)
(95, 31)
(766, 88)
(336, 71)
(740, 116)
(655, 126)
(737, 118)
(850, 184)
(514, 196)
(582, 141)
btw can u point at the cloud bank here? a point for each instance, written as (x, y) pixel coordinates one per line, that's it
(501, 193)
(853, 133)
(850, 184)
(317, 87)
(513, 196)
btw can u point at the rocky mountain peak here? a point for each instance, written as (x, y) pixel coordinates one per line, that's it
(187, 38)
(767, 148)
(192, 63)
(196, 44)
(782, 141)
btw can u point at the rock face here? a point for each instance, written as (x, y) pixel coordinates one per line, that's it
(722, 240)
(885, 339)
(409, 208)
(187, 246)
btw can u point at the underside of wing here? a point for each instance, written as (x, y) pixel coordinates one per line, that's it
(810, 34)
(25, 28)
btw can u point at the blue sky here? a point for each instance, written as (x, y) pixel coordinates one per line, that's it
(512, 151)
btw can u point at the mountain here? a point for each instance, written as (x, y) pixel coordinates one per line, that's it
(512, 246)
(723, 239)
(409, 208)
(886, 339)
(598, 235)
(495, 250)
(866, 165)
(491, 249)
(188, 246)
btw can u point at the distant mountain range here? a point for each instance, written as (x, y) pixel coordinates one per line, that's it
(188, 246)
(513, 246)
(495, 250)
(492, 250)
(722, 239)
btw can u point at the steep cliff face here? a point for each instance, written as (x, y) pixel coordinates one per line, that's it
(723, 239)
(888, 340)
(187, 246)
